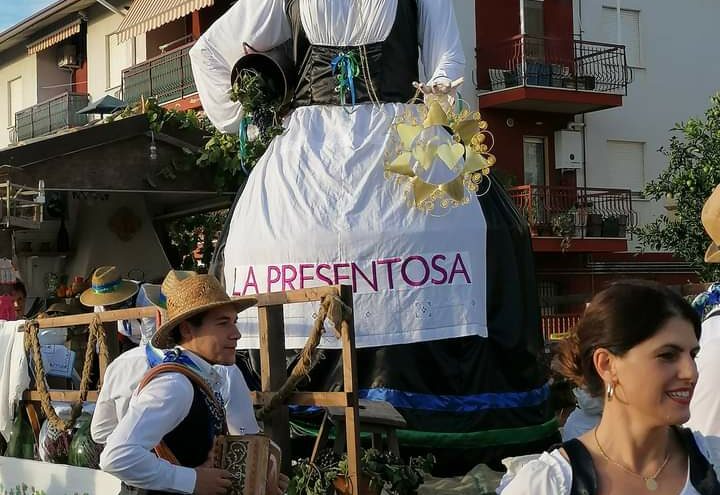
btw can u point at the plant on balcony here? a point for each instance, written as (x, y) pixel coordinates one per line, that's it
(563, 225)
(692, 172)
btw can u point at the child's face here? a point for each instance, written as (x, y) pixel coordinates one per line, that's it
(19, 302)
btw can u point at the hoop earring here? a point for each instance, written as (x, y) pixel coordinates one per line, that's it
(610, 391)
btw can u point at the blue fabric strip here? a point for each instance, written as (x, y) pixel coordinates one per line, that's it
(458, 403)
(105, 288)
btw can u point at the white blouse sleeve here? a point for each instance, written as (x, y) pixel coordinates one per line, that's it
(262, 25)
(549, 474)
(442, 53)
(154, 412)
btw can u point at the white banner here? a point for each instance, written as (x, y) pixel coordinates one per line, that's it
(23, 476)
(397, 299)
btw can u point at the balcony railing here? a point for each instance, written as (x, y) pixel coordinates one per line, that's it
(575, 212)
(554, 63)
(51, 115)
(558, 326)
(166, 77)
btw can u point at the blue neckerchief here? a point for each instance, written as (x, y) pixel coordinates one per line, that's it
(704, 302)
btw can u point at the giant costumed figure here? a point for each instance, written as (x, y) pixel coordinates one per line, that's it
(370, 187)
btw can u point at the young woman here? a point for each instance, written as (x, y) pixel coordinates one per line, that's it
(635, 346)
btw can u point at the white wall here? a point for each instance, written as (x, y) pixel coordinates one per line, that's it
(95, 244)
(680, 71)
(103, 55)
(16, 64)
(465, 16)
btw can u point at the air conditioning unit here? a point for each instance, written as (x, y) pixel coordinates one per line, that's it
(568, 150)
(69, 58)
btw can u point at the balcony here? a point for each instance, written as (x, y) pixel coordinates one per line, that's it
(59, 112)
(167, 77)
(556, 327)
(552, 75)
(576, 219)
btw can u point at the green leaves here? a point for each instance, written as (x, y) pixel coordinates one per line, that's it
(692, 173)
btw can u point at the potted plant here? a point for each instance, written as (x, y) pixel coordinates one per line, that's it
(563, 225)
(379, 470)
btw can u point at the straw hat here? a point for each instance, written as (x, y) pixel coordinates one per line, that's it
(108, 288)
(64, 308)
(157, 294)
(710, 217)
(192, 296)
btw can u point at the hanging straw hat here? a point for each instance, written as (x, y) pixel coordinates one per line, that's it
(192, 296)
(710, 217)
(157, 294)
(108, 288)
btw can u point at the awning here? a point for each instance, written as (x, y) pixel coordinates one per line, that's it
(55, 37)
(145, 15)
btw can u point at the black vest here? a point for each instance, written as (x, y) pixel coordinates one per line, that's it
(584, 477)
(392, 63)
(193, 438)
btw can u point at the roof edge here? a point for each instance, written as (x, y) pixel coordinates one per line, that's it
(35, 18)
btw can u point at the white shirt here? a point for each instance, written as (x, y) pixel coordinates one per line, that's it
(584, 417)
(264, 25)
(551, 474)
(148, 416)
(705, 403)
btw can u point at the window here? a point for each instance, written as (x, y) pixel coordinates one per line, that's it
(117, 58)
(534, 25)
(15, 99)
(534, 160)
(626, 165)
(629, 32)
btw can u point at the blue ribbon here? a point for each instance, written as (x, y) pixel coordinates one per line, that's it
(458, 403)
(243, 143)
(707, 300)
(348, 69)
(105, 288)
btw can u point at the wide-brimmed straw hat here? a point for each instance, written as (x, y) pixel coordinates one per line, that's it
(108, 288)
(192, 296)
(157, 294)
(710, 217)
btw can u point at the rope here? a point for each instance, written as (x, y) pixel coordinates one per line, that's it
(331, 307)
(32, 344)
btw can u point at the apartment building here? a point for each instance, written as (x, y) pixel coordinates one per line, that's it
(579, 95)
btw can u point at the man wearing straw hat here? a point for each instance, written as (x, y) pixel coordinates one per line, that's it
(127, 370)
(179, 413)
(705, 402)
(109, 291)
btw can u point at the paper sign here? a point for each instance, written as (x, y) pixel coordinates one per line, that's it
(58, 360)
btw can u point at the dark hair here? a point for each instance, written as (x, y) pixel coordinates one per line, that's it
(194, 320)
(18, 286)
(617, 319)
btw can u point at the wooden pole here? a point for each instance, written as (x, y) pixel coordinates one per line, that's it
(352, 415)
(273, 375)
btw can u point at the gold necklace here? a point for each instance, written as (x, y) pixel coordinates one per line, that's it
(650, 481)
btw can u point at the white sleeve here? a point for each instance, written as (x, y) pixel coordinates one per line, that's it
(105, 417)
(238, 404)
(260, 24)
(441, 51)
(545, 475)
(154, 412)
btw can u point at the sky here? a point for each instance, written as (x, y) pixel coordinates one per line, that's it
(14, 11)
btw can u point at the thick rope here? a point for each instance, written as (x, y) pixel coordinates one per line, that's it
(96, 330)
(331, 307)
